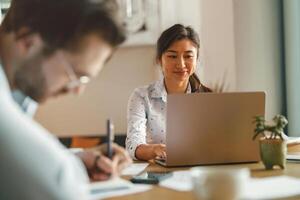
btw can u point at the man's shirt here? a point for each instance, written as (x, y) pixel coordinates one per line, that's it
(34, 165)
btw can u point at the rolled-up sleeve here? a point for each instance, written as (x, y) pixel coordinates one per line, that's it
(136, 122)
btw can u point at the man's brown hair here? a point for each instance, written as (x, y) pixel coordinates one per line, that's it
(62, 23)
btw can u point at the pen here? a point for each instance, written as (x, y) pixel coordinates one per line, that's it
(110, 138)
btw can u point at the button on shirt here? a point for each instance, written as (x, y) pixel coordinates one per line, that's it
(34, 165)
(146, 116)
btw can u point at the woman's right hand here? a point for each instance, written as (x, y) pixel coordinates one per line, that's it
(150, 151)
(159, 151)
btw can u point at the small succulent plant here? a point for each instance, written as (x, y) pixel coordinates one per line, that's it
(275, 130)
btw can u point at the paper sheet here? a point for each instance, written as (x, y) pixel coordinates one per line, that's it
(134, 169)
(180, 180)
(114, 187)
(292, 140)
(256, 188)
(293, 157)
(272, 187)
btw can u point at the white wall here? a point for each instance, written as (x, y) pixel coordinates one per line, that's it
(292, 61)
(217, 44)
(242, 41)
(258, 42)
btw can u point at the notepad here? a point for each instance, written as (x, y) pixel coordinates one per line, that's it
(113, 188)
(272, 187)
(255, 188)
(134, 169)
(291, 141)
(293, 157)
(180, 181)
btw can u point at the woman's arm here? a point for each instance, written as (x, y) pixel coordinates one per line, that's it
(136, 143)
(136, 122)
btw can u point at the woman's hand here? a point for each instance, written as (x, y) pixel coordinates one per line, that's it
(159, 151)
(150, 151)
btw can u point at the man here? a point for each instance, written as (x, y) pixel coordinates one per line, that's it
(49, 48)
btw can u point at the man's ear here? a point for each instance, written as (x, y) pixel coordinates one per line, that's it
(28, 42)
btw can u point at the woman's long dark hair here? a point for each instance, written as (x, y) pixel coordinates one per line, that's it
(175, 33)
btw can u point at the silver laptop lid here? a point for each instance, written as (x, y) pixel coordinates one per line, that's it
(212, 128)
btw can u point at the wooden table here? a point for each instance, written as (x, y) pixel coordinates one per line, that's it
(158, 193)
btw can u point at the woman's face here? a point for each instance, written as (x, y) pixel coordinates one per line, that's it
(179, 61)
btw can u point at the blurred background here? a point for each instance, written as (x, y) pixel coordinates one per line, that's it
(246, 45)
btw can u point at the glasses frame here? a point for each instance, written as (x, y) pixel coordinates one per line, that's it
(75, 81)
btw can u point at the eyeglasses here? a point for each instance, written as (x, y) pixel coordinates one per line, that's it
(75, 81)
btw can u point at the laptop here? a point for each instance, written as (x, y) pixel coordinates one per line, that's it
(212, 128)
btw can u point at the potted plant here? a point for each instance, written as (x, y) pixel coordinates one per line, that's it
(272, 144)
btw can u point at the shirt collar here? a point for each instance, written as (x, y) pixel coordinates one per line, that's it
(28, 105)
(159, 90)
(4, 87)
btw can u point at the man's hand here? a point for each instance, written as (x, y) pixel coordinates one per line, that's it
(99, 166)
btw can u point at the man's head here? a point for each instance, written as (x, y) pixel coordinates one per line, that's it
(53, 47)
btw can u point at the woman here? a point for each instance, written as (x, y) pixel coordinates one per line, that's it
(177, 53)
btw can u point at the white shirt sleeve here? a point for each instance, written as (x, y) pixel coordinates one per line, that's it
(34, 165)
(136, 122)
